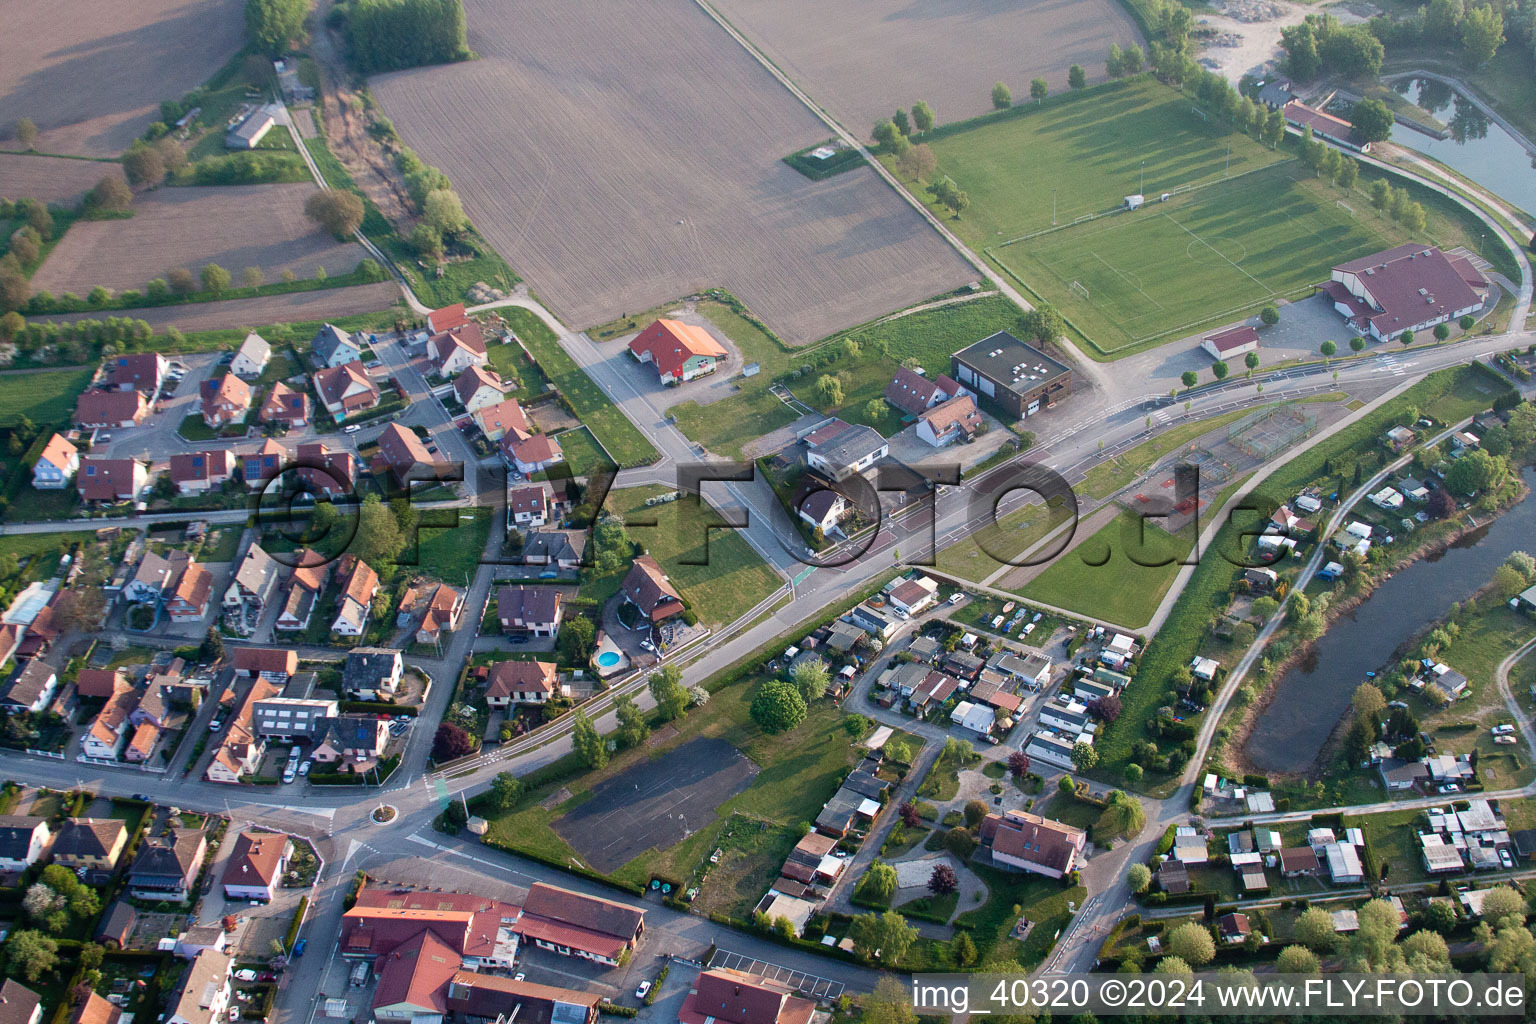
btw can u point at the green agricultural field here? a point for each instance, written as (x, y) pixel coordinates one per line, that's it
(1103, 577)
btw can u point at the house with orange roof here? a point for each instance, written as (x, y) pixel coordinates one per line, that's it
(99, 683)
(453, 352)
(478, 387)
(680, 352)
(255, 866)
(188, 601)
(405, 457)
(502, 418)
(531, 453)
(305, 585)
(324, 472)
(286, 406)
(522, 682)
(434, 607)
(274, 664)
(141, 745)
(55, 465)
(957, 419)
(200, 472)
(441, 321)
(651, 590)
(346, 390)
(225, 400)
(722, 995)
(95, 409)
(240, 748)
(359, 585)
(104, 739)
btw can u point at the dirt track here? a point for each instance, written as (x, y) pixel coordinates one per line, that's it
(624, 160)
(294, 307)
(235, 226)
(862, 59)
(92, 73)
(50, 179)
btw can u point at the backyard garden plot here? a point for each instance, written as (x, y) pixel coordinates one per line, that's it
(50, 179)
(92, 73)
(1203, 258)
(951, 51)
(236, 226)
(645, 162)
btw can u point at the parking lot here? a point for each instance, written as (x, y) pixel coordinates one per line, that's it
(809, 985)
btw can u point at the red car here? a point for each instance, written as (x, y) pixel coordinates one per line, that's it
(266, 976)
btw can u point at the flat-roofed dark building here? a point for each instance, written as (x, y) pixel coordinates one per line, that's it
(1015, 378)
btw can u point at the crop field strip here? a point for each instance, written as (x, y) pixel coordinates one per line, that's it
(951, 52)
(626, 180)
(289, 307)
(50, 179)
(235, 226)
(92, 73)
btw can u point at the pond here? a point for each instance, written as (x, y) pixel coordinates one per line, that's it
(1478, 148)
(1310, 699)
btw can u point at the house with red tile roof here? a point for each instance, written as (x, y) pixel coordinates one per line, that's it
(912, 393)
(325, 472)
(1022, 841)
(478, 387)
(531, 453)
(440, 321)
(261, 465)
(1232, 342)
(475, 929)
(434, 607)
(359, 585)
(135, 371)
(680, 352)
(55, 465)
(188, 601)
(255, 866)
(94, 1009)
(650, 590)
(405, 457)
(502, 418)
(95, 409)
(286, 406)
(475, 996)
(199, 472)
(346, 390)
(1413, 287)
(454, 351)
(102, 479)
(1323, 125)
(99, 683)
(225, 400)
(275, 664)
(522, 682)
(721, 995)
(104, 739)
(574, 924)
(240, 748)
(957, 419)
(534, 611)
(528, 506)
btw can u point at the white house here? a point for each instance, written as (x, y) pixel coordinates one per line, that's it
(22, 840)
(823, 509)
(1387, 499)
(56, 466)
(251, 357)
(912, 596)
(978, 718)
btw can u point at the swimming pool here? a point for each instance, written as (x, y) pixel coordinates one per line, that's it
(608, 659)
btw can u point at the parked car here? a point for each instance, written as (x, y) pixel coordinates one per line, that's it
(640, 992)
(304, 770)
(298, 947)
(216, 725)
(1503, 730)
(245, 975)
(520, 976)
(1504, 857)
(351, 428)
(1507, 741)
(266, 976)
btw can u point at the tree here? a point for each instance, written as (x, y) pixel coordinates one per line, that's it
(143, 165)
(1038, 89)
(1002, 97)
(1357, 344)
(1297, 960)
(215, 278)
(1191, 943)
(975, 813)
(212, 647)
(888, 136)
(1077, 78)
(962, 950)
(1441, 917)
(1138, 877)
(1314, 930)
(918, 162)
(1106, 708)
(336, 211)
(1442, 19)
(31, 954)
(377, 541)
(1482, 33)
(666, 686)
(943, 880)
(1300, 46)
(505, 790)
(1172, 965)
(444, 212)
(1381, 193)
(1084, 757)
(588, 745)
(450, 742)
(1372, 120)
(633, 728)
(910, 815)
(386, 35)
(888, 933)
(1405, 339)
(26, 132)
(1190, 378)
(1477, 471)
(1503, 905)
(252, 277)
(890, 1003)
(1273, 131)
(899, 119)
(778, 706)
(1251, 360)
(427, 241)
(111, 194)
(91, 955)
(922, 116)
(272, 24)
(1219, 370)
(811, 678)
(577, 637)
(1348, 173)
(1270, 315)
(1043, 323)
(830, 389)
(1114, 64)
(878, 884)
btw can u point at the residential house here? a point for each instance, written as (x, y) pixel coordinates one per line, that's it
(1398, 775)
(403, 455)
(99, 683)
(522, 682)
(913, 394)
(452, 352)
(251, 357)
(273, 664)
(476, 388)
(240, 748)
(1401, 438)
(440, 321)
(56, 465)
(155, 575)
(557, 549)
(103, 479)
(1051, 749)
(202, 997)
(94, 1009)
(264, 464)
(97, 409)
(574, 924)
(354, 742)
(955, 420)
(480, 998)
(528, 506)
(252, 586)
(977, 718)
(1296, 861)
(371, 673)
(359, 586)
(19, 1004)
(255, 867)
(117, 924)
(532, 453)
(31, 688)
(434, 607)
(502, 418)
(679, 351)
(135, 371)
(305, 585)
(22, 841)
(1032, 670)
(909, 597)
(725, 996)
(104, 739)
(533, 611)
(287, 719)
(346, 390)
(225, 400)
(286, 406)
(1387, 499)
(850, 450)
(166, 867)
(1027, 842)
(651, 591)
(822, 509)
(199, 938)
(326, 473)
(335, 347)
(200, 472)
(1173, 877)
(1234, 928)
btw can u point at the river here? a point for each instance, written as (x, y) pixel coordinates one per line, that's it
(1478, 148)
(1309, 700)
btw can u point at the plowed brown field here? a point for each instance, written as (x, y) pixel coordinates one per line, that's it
(92, 73)
(292, 307)
(620, 155)
(862, 59)
(50, 179)
(235, 226)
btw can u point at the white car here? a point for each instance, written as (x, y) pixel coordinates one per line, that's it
(291, 772)
(304, 768)
(1507, 741)
(957, 597)
(245, 975)
(520, 976)
(1503, 730)
(640, 992)
(351, 428)
(216, 725)
(1504, 857)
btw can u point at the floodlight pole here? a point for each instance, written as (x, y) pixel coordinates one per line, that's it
(1142, 188)
(1228, 169)
(1053, 207)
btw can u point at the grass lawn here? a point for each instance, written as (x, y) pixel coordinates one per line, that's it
(47, 397)
(582, 455)
(753, 853)
(1108, 477)
(1040, 900)
(31, 504)
(1104, 577)
(1255, 227)
(1392, 837)
(732, 577)
(606, 422)
(799, 771)
(220, 545)
(977, 555)
(453, 554)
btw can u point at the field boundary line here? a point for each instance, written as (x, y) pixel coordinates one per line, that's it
(1268, 291)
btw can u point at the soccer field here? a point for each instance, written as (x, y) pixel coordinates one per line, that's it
(1203, 258)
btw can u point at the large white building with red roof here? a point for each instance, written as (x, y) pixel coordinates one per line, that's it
(680, 352)
(1410, 288)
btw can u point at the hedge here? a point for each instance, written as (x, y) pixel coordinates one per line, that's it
(298, 919)
(616, 1010)
(370, 707)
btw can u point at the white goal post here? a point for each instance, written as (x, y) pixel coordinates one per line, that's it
(1079, 289)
